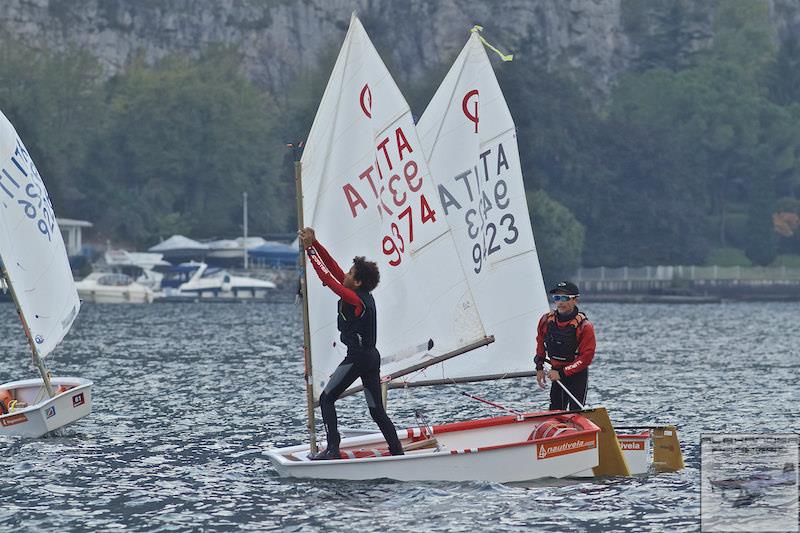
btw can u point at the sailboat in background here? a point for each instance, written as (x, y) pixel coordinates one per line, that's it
(37, 272)
(366, 187)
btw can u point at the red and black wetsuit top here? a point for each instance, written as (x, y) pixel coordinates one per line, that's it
(569, 341)
(356, 318)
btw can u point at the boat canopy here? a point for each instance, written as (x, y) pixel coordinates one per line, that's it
(274, 254)
(178, 242)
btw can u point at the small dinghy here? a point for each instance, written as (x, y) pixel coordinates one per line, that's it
(28, 412)
(502, 449)
(36, 271)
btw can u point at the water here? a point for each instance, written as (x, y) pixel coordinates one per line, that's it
(187, 397)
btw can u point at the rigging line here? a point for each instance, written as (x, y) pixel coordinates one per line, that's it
(476, 30)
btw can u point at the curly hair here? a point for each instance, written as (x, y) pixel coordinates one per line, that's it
(367, 273)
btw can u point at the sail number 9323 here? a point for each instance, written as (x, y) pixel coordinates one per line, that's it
(490, 236)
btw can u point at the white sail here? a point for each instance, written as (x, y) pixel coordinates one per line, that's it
(367, 191)
(470, 141)
(31, 247)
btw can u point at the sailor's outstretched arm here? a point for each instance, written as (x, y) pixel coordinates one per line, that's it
(329, 261)
(328, 279)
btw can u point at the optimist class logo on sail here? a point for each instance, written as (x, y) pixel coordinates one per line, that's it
(394, 185)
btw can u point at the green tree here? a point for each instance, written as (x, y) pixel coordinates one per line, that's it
(184, 140)
(559, 236)
(55, 102)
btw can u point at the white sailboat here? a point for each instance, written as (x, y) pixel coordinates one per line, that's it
(36, 269)
(367, 189)
(469, 138)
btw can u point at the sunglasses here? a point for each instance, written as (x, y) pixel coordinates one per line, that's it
(564, 297)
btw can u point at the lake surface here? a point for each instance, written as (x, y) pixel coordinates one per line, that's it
(188, 396)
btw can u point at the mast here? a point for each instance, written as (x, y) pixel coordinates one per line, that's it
(312, 432)
(244, 227)
(38, 362)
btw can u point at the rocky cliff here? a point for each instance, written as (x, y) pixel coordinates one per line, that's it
(281, 38)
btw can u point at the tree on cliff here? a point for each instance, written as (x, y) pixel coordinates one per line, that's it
(182, 142)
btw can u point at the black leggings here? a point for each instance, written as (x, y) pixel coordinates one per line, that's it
(367, 367)
(577, 385)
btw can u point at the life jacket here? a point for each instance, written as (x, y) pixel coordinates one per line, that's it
(358, 333)
(561, 343)
(6, 397)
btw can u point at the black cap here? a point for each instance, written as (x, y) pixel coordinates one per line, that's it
(567, 287)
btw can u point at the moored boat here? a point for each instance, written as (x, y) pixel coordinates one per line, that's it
(197, 281)
(111, 288)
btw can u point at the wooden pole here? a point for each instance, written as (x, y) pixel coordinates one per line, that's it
(312, 431)
(244, 227)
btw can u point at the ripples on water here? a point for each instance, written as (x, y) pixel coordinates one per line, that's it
(187, 397)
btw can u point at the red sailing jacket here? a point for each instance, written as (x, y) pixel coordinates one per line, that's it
(586, 346)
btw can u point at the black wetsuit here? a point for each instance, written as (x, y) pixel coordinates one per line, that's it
(358, 333)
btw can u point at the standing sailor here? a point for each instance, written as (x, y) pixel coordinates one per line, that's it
(357, 323)
(566, 337)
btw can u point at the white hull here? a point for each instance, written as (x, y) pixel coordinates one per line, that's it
(39, 419)
(212, 293)
(496, 449)
(204, 283)
(105, 296)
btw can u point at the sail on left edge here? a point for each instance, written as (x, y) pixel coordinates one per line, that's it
(31, 246)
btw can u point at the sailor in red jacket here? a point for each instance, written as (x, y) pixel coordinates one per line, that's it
(357, 324)
(566, 337)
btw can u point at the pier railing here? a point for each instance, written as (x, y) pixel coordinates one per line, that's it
(689, 273)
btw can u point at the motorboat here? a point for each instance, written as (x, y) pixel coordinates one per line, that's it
(113, 288)
(195, 280)
(145, 268)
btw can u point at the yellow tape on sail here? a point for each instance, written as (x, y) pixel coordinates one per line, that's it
(505, 57)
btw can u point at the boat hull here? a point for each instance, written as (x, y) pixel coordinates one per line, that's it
(100, 295)
(40, 418)
(483, 450)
